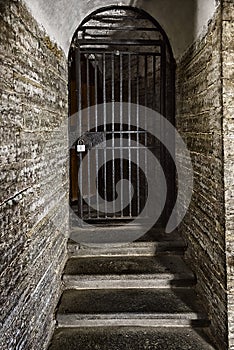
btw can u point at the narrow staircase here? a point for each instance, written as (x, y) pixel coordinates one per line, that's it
(131, 296)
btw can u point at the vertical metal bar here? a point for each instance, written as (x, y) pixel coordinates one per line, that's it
(88, 127)
(138, 143)
(121, 125)
(146, 135)
(154, 106)
(79, 105)
(163, 111)
(172, 118)
(96, 129)
(70, 126)
(104, 122)
(154, 83)
(129, 135)
(113, 126)
(162, 91)
(163, 81)
(162, 101)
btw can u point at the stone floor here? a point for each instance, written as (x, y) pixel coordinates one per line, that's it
(129, 338)
(138, 295)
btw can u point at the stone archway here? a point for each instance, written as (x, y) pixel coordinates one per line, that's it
(35, 78)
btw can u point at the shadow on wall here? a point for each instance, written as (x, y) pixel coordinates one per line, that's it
(3, 5)
(177, 18)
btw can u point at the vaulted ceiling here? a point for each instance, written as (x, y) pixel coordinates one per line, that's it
(182, 20)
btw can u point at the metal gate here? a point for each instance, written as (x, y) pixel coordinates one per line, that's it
(118, 54)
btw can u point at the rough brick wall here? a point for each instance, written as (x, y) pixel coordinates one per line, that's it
(33, 179)
(228, 140)
(199, 120)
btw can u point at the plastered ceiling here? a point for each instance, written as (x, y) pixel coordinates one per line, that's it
(182, 20)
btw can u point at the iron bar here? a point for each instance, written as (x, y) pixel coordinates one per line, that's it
(162, 99)
(126, 147)
(88, 127)
(113, 126)
(138, 131)
(109, 28)
(126, 42)
(110, 50)
(121, 126)
(96, 128)
(104, 122)
(163, 81)
(154, 83)
(119, 17)
(79, 107)
(125, 132)
(146, 102)
(129, 136)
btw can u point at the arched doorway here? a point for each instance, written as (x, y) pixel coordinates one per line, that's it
(118, 54)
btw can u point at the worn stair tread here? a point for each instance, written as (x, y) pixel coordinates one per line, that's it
(131, 320)
(127, 272)
(170, 264)
(153, 235)
(162, 301)
(126, 249)
(129, 338)
(128, 281)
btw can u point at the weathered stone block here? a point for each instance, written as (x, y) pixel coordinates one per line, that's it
(33, 179)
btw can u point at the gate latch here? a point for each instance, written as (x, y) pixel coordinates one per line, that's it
(80, 146)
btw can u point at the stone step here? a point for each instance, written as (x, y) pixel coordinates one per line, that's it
(127, 272)
(156, 241)
(114, 233)
(132, 320)
(127, 265)
(129, 338)
(126, 249)
(116, 294)
(127, 281)
(130, 307)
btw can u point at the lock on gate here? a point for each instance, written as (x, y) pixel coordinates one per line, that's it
(80, 147)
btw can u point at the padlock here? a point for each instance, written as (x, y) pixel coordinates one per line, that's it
(80, 146)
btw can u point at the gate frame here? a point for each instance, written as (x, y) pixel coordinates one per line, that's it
(147, 16)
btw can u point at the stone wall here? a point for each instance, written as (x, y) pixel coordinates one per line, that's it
(34, 172)
(228, 140)
(199, 120)
(33, 179)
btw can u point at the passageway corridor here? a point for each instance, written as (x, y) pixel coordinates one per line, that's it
(116, 174)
